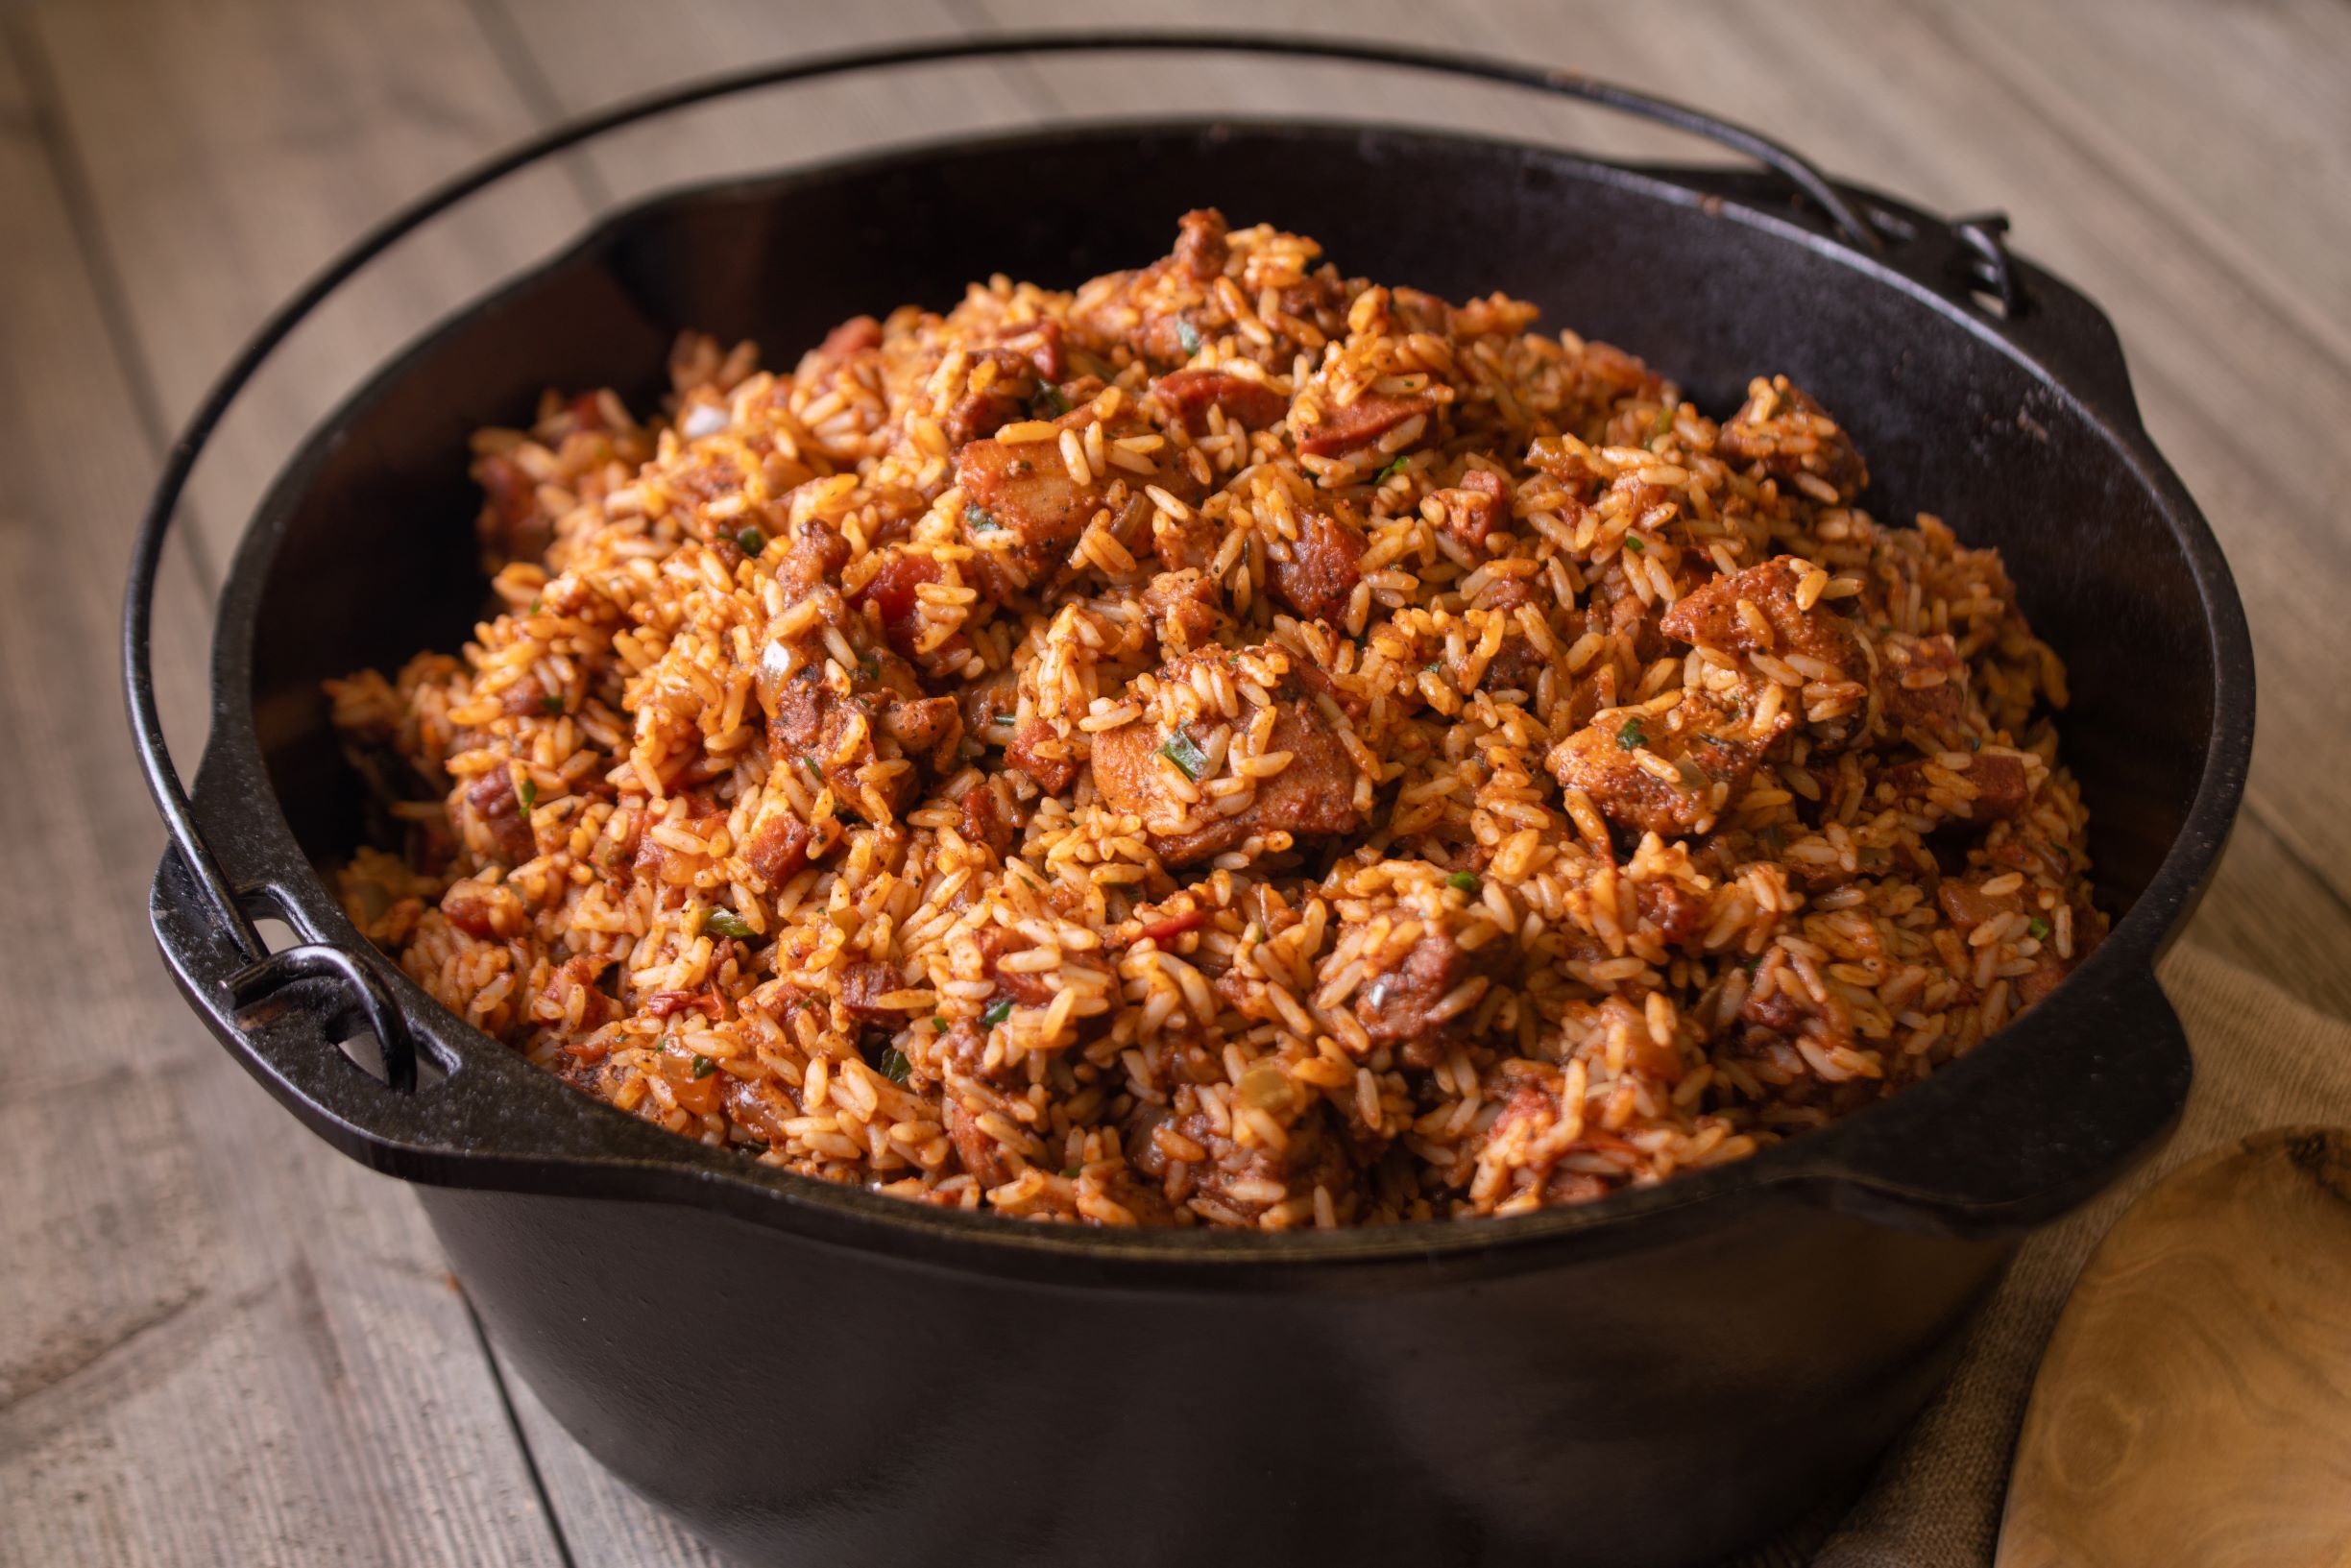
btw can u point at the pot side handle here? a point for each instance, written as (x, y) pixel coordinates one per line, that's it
(2047, 1120)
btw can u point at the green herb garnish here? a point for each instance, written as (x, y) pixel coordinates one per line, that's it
(750, 540)
(1056, 401)
(1181, 750)
(727, 923)
(534, 604)
(2038, 928)
(997, 1013)
(1074, 1172)
(1632, 541)
(704, 1067)
(1392, 470)
(1664, 422)
(550, 705)
(894, 1065)
(1628, 738)
(527, 792)
(1465, 882)
(940, 1024)
(1188, 335)
(981, 518)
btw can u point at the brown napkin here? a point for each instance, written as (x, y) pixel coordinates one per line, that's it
(2263, 1061)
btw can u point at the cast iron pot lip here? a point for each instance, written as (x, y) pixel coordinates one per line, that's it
(854, 1217)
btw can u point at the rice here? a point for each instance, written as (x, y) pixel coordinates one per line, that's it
(1229, 744)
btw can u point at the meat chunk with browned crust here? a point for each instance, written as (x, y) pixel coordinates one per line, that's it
(1184, 398)
(1781, 429)
(1336, 429)
(1422, 1000)
(1670, 774)
(1185, 608)
(1317, 581)
(1764, 610)
(1149, 767)
(1993, 787)
(1922, 686)
(1024, 507)
(1165, 311)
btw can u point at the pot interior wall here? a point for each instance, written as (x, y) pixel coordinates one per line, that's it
(378, 560)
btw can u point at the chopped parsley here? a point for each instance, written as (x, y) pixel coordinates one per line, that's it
(1628, 738)
(1051, 399)
(750, 540)
(894, 1065)
(550, 705)
(2038, 928)
(727, 923)
(981, 518)
(1188, 335)
(1634, 543)
(1024, 466)
(703, 1068)
(1465, 882)
(1664, 422)
(527, 792)
(1181, 750)
(534, 604)
(1392, 469)
(940, 1024)
(1074, 1172)
(997, 1013)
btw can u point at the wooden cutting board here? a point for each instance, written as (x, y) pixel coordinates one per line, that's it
(2195, 1404)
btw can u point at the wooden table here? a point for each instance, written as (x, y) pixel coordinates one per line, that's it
(221, 1343)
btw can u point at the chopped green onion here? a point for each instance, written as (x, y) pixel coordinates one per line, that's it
(1465, 882)
(751, 540)
(704, 1067)
(1188, 335)
(981, 518)
(1664, 422)
(1628, 738)
(727, 923)
(2039, 927)
(1074, 1172)
(1056, 401)
(894, 1065)
(527, 792)
(940, 1024)
(550, 705)
(1181, 750)
(1392, 469)
(1632, 542)
(996, 1014)
(534, 604)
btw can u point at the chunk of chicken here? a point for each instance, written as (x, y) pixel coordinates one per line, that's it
(1157, 767)
(1670, 774)
(1781, 428)
(1762, 610)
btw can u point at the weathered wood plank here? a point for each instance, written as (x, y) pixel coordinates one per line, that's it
(232, 148)
(219, 1343)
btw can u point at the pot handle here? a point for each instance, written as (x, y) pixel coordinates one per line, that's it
(2046, 1117)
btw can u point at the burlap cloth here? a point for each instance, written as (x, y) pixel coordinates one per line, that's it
(2263, 1061)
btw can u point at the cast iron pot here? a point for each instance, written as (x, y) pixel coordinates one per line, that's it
(811, 1373)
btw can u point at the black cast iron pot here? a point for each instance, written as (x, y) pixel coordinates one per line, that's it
(808, 1373)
